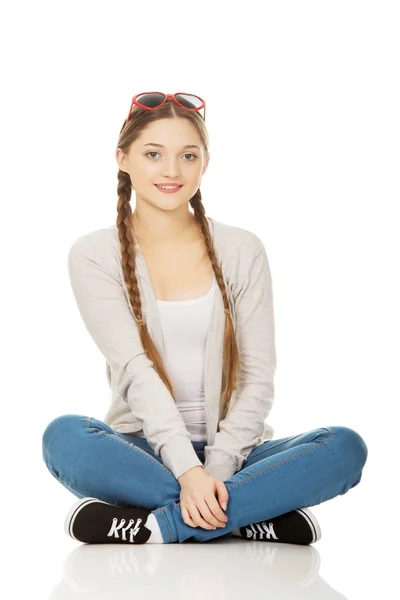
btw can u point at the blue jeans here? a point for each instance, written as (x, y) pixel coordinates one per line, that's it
(89, 458)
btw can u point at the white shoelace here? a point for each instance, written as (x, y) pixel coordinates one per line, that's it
(260, 531)
(132, 532)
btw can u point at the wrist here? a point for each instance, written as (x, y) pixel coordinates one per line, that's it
(190, 472)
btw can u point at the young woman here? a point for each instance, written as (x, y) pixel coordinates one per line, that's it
(181, 307)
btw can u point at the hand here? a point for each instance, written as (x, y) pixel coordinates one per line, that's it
(199, 506)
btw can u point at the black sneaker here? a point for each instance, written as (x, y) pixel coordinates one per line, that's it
(94, 521)
(298, 526)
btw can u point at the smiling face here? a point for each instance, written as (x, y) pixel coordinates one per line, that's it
(171, 161)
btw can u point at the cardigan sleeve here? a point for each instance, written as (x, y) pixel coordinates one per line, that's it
(108, 317)
(244, 425)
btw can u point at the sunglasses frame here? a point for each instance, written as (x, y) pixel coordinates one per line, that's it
(166, 96)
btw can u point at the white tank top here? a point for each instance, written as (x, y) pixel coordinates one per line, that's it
(184, 325)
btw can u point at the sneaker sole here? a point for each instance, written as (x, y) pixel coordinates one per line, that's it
(312, 522)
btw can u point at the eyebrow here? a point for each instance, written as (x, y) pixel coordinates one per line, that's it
(161, 146)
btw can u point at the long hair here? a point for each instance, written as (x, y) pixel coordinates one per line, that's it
(138, 121)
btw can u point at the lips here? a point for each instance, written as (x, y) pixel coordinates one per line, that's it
(167, 185)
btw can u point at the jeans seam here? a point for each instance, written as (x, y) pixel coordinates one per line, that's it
(129, 446)
(281, 461)
(279, 443)
(166, 520)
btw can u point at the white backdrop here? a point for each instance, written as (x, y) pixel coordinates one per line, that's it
(303, 116)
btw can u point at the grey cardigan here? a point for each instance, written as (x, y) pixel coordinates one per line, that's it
(140, 401)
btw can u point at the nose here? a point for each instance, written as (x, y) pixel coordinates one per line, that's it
(171, 169)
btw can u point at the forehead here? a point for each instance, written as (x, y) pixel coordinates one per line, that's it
(171, 133)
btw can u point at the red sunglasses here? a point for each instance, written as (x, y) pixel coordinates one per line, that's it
(153, 100)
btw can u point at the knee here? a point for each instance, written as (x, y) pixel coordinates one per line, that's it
(56, 432)
(353, 449)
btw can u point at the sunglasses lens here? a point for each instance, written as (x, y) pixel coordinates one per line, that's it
(150, 100)
(188, 100)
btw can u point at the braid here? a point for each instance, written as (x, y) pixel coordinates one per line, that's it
(231, 363)
(128, 263)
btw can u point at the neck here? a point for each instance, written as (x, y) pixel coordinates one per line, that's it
(164, 228)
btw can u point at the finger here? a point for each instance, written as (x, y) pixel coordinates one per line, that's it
(207, 508)
(217, 513)
(217, 510)
(198, 518)
(222, 494)
(186, 517)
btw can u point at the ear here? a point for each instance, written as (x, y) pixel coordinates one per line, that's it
(120, 158)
